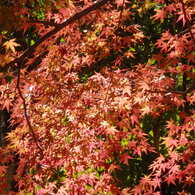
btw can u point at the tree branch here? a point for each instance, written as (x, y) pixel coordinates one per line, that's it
(58, 27)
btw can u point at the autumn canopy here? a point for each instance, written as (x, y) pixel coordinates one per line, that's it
(97, 97)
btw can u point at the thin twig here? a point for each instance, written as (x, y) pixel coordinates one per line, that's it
(190, 89)
(187, 21)
(25, 111)
(119, 23)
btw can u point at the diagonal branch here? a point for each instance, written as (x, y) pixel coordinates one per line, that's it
(58, 27)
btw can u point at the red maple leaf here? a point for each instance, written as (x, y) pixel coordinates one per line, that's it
(125, 157)
(170, 179)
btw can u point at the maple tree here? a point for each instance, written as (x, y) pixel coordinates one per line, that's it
(100, 96)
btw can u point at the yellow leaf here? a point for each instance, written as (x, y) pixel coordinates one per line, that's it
(11, 44)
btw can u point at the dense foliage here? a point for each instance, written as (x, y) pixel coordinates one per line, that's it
(100, 96)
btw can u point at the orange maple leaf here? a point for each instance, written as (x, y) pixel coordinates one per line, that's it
(134, 119)
(160, 15)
